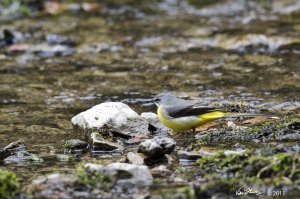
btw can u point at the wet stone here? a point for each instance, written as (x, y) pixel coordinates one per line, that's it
(4, 153)
(15, 146)
(161, 171)
(293, 136)
(256, 140)
(46, 51)
(23, 156)
(136, 139)
(188, 155)
(296, 148)
(140, 174)
(157, 147)
(63, 158)
(286, 106)
(151, 149)
(100, 144)
(294, 125)
(53, 39)
(239, 146)
(9, 37)
(75, 144)
(281, 148)
(167, 144)
(58, 185)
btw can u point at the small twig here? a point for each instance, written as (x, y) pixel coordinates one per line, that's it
(293, 166)
(264, 169)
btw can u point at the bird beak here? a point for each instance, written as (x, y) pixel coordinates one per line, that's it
(149, 101)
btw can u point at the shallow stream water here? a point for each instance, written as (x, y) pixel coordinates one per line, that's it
(216, 51)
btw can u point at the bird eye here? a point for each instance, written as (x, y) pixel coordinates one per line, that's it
(156, 100)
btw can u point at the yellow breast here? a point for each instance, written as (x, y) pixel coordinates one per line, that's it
(189, 122)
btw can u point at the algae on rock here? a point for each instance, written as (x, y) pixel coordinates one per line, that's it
(9, 185)
(249, 169)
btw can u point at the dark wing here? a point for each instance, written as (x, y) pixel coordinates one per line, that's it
(193, 110)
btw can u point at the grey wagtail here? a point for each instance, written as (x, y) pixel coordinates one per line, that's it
(181, 115)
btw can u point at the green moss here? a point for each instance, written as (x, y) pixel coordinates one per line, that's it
(187, 192)
(23, 6)
(237, 108)
(274, 125)
(278, 129)
(216, 184)
(197, 145)
(220, 161)
(9, 185)
(253, 166)
(222, 187)
(94, 179)
(67, 146)
(222, 175)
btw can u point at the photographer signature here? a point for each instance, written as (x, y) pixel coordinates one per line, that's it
(247, 191)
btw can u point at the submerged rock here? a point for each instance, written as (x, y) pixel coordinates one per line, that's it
(286, 106)
(9, 37)
(100, 144)
(53, 39)
(45, 50)
(75, 144)
(186, 155)
(112, 117)
(14, 146)
(4, 153)
(155, 125)
(194, 155)
(23, 156)
(253, 42)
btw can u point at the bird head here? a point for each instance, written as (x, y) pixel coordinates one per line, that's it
(163, 99)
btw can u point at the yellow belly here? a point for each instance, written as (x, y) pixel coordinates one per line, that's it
(189, 122)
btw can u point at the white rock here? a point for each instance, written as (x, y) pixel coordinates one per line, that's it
(141, 175)
(112, 116)
(135, 158)
(230, 152)
(138, 174)
(93, 167)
